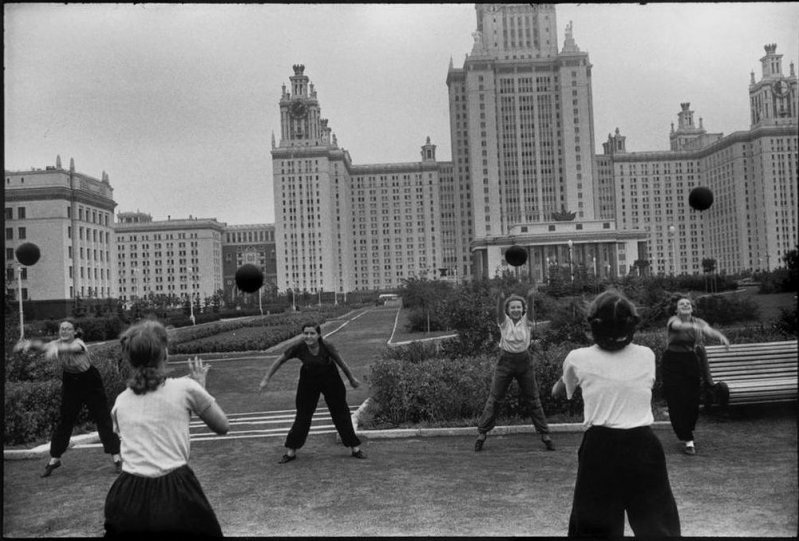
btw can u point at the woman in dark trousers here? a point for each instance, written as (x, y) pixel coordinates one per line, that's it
(621, 465)
(515, 362)
(81, 384)
(683, 368)
(318, 375)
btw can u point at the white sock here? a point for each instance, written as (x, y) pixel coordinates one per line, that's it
(689, 443)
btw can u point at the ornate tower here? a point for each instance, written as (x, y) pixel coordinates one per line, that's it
(300, 120)
(773, 99)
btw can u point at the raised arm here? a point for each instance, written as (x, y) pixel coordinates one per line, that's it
(530, 305)
(501, 309)
(699, 326)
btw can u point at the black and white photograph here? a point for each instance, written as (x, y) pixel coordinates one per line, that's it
(414, 270)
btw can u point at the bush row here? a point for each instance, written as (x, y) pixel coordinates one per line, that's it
(33, 384)
(424, 383)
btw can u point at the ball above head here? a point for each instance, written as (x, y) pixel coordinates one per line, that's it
(249, 278)
(28, 253)
(516, 256)
(700, 198)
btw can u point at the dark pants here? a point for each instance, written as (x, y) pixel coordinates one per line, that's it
(617, 471)
(77, 390)
(512, 366)
(171, 506)
(681, 387)
(329, 384)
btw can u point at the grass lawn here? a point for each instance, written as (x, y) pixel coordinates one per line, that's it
(742, 482)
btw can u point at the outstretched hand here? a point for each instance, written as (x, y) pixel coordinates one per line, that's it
(262, 385)
(198, 371)
(22, 345)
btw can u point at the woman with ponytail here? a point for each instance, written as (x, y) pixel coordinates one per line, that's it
(81, 384)
(621, 465)
(157, 491)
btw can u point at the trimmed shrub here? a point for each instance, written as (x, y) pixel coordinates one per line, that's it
(31, 408)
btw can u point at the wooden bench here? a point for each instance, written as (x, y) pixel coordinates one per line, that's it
(756, 373)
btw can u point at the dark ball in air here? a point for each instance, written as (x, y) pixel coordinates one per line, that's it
(516, 256)
(700, 198)
(28, 253)
(249, 278)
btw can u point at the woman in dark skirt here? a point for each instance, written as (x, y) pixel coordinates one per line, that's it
(621, 466)
(683, 369)
(81, 384)
(318, 376)
(157, 492)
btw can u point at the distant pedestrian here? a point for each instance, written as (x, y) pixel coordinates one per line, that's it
(81, 384)
(318, 375)
(157, 492)
(515, 362)
(621, 465)
(684, 367)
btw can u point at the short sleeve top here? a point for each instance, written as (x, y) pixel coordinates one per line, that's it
(75, 362)
(153, 427)
(514, 337)
(313, 365)
(616, 385)
(684, 340)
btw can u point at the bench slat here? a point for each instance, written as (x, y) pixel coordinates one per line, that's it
(756, 373)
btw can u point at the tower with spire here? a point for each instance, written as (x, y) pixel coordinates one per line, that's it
(773, 99)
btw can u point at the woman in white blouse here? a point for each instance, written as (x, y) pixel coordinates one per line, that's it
(515, 362)
(621, 463)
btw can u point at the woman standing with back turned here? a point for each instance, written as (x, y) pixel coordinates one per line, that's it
(621, 465)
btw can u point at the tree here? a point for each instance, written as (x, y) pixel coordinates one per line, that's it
(641, 265)
(708, 267)
(791, 260)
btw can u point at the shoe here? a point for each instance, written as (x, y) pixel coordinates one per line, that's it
(478, 444)
(689, 450)
(359, 454)
(118, 466)
(286, 458)
(48, 469)
(548, 444)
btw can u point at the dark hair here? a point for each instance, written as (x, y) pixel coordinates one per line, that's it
(677, 297)
(315, 326)
(74, 323)
(144, 346)
(514, 297)
(613, 319)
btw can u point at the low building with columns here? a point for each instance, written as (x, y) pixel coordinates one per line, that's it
(595, 245)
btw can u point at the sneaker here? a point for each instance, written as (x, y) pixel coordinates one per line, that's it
(48, 469)
(548, 443)
(478, 444)
(286, 458)
(689, 450)
(359, 454)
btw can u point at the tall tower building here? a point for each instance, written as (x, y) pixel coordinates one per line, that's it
(752, 223)
(343, 227)
(521, 123)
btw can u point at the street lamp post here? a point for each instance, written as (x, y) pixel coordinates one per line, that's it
(571, 265)
(19, 295)
(672, 237)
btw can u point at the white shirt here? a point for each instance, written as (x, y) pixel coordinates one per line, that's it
(514, 337)
(616, 385)
(153, 427)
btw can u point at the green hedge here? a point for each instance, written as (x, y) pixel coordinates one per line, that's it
(419, 383)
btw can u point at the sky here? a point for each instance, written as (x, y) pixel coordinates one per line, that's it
(178, 102)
